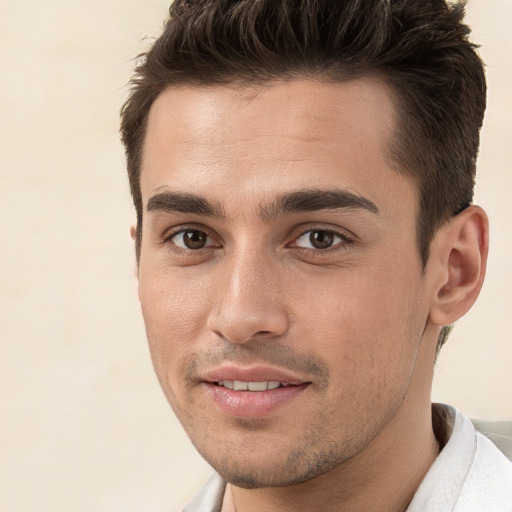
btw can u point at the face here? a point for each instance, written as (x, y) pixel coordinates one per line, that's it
(280, 280)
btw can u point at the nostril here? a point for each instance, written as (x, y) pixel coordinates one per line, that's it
(238, 324)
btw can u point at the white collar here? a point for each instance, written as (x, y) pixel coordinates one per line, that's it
(469, 475)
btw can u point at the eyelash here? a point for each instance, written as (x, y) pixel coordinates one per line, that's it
(168, 238)
(346, 240)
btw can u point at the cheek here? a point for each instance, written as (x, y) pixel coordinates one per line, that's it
(369, 322)
(171, 301)
(175, 316)
(369, 336)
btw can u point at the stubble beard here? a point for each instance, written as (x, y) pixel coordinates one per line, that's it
(309, 456)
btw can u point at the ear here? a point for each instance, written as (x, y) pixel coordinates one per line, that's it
(460, 257)
(133, 235)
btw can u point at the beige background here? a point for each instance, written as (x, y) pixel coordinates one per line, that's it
(84, 426)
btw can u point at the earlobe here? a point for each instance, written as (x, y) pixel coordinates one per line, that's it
(133, 232)
(461, 249)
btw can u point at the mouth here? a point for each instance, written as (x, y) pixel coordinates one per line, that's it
(252, 392)
(239, 385)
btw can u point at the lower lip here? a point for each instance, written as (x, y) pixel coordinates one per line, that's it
(252, 403)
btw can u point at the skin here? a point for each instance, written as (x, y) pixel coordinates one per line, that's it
(357, 321)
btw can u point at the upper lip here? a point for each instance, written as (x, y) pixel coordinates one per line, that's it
(252, 374)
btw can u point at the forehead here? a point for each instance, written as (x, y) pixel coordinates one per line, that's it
(278, 136)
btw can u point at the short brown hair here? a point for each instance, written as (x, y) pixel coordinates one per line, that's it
(420, 48)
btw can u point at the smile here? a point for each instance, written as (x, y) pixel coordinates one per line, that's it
(238, 385)
(252, 398)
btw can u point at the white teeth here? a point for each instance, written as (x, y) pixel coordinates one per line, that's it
(257, 386)
(238, 385)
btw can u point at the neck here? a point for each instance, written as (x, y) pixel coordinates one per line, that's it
(383, 476)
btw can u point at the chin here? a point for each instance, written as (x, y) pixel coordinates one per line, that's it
(297, 468)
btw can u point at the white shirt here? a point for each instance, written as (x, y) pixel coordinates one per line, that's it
(469, 475)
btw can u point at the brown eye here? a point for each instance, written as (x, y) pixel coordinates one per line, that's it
(194, 239)
(321, 239)
(191, 239)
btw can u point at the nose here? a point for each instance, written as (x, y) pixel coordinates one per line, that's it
(249, 302)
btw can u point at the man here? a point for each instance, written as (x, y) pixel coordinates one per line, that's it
(303, 173)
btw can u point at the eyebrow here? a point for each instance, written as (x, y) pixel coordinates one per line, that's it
(290, 202)
(316, 199)
(170, 202)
